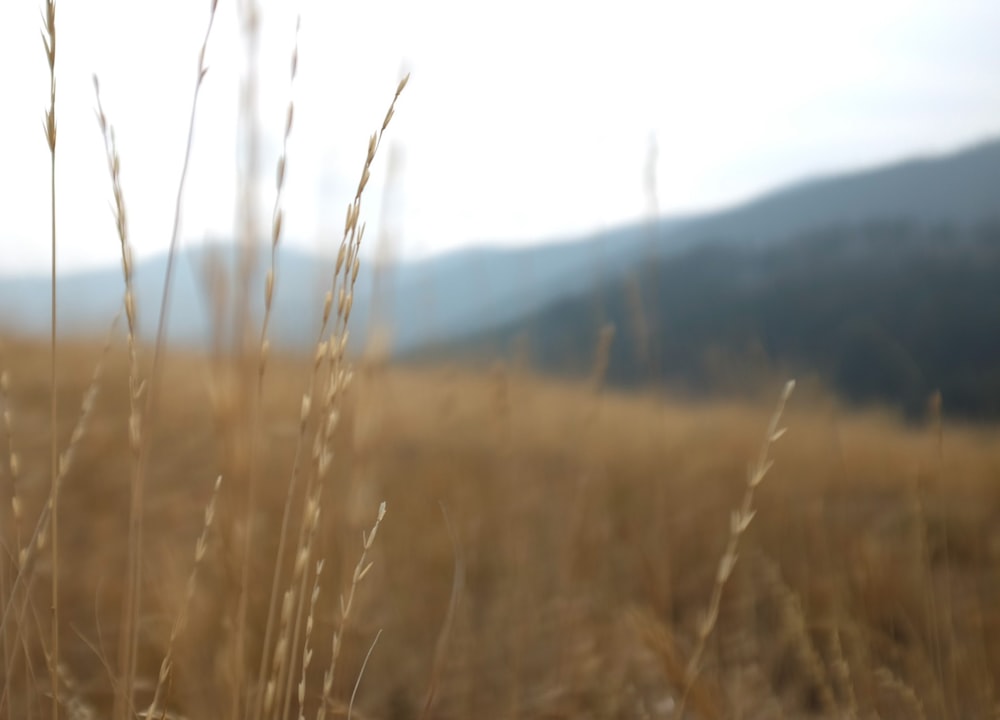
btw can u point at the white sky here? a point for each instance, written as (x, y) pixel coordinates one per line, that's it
(523, 121)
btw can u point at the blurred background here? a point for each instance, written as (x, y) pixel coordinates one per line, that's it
(642, 218)
(738, 190)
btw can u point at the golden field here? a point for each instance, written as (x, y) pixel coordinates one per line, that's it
(548, 550)
(242, 535)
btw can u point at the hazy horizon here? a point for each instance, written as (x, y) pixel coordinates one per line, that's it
(329, 249)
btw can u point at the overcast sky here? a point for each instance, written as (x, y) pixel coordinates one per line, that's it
(523, 120)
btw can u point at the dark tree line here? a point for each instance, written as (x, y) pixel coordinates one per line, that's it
(887, 312)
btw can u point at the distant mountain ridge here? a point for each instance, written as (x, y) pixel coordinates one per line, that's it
(884, 284)
(442, 300)
(960, 188)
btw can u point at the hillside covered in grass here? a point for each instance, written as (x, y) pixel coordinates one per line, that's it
(549, 549)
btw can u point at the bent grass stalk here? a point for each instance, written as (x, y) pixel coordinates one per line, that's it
(738, 524)
(361, 674)
(444, 636)
(181, 620)
(360, 570)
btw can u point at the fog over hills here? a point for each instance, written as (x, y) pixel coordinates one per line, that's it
(424, 301)
(885, 285)
(460, 300)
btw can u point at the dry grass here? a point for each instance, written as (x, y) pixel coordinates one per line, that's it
(216, 605)
(553, 550)
(590, 528)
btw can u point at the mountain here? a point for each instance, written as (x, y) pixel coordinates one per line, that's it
(689, 270)
(957, 189)
(884, 312)
(89, 300)
(426, 301)
(884, 284)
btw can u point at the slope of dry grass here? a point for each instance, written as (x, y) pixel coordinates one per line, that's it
(587, 531)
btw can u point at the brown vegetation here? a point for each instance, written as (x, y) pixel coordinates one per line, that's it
(189, 536)
(587, 530)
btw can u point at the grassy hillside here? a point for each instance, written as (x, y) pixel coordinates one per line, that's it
(584, 529)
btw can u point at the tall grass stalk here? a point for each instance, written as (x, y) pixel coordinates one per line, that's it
(130, 609)
(277, 217)
(166, 665)
(248, 14)
(49, 40)
(738, 524)
(346, 604)
(135, 419)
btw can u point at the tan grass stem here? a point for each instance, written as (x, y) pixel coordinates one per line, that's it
(13, 467)
(361, 674)
(277, 213)
(277, 216)
(127, 649)
(738, 524)
(49, 40)
(303, 556)
(181, 620)
(307, 652)
(28, 555)
(444, 636)
(346, 604)
(123, 699)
